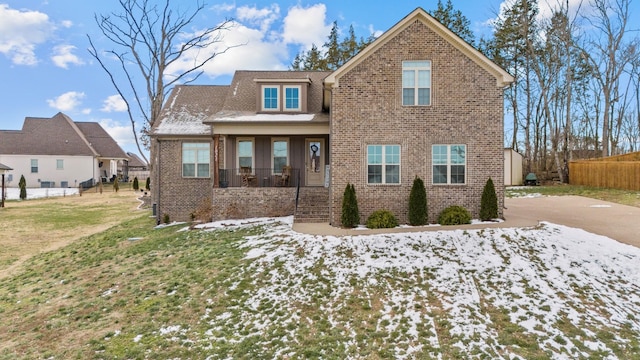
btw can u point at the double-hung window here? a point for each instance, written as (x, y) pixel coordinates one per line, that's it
(195, 160)
(383, 164)
(416, 82)
(292, 98)
(280, 152)
(59, 164)
(245, 153)
(270, 98)
(34, 166)
(449, 164)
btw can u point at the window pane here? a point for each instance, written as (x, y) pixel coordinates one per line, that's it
(270, 98)
(203, 170)
(188, 156)
(292, 98)
(392, 154)
(439, 174)
(189, 170)
(439, 154)
(392, 174)
(424, 79)
(457, 174)
(424, 96)
(374, 174)
(59, 164)
(245, 162)
(278, 163)
(416, 64)
(408, 78)
(408, 96)
(245, 149)
(203, 156)
(458, 154)
(374, 154)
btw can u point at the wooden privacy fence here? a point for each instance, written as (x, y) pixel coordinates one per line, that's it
(616, 172)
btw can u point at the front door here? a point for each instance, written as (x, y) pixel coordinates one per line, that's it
(314, 162)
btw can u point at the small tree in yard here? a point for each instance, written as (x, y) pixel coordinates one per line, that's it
(418, 203)
(136, 186)
(23, 187)
(350, 214)
(489, 202)
(116, 185)
(147, 185)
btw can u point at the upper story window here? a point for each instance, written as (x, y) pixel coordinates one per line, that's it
(195, 160)
(292, 98)
(383, 164)
(449, 164)
(59, 164)
(416, 82)
(270, 98)
(34, 165)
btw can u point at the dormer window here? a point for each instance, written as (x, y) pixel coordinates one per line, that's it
(292, 98)
(282, 95)
(270, 100)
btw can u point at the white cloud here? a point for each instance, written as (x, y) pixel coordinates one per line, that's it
(63, 56)
(306, 26)
(66, 23)
(21, 32)
(122, 134)
(114, 103)
(262, 17)
(67, 102)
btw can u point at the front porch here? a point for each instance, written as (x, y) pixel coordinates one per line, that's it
(263, 177)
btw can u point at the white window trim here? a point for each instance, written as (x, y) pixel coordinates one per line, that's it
(61, 163)
(416, 86)
(284, 97)
(37, 167)
(273, 140)
(253, 153)
(195, 170)
(383, 165)
(449, 164)
(278, 97)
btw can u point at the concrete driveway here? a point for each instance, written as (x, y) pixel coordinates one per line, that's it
(619, 222)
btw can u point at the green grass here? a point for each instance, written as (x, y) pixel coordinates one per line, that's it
(625, 197)
(136, 292)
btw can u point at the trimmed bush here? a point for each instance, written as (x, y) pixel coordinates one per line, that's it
(489, 202)
(23, 187)
(136, 186)
(454, 215)
(418, 203)
(116, 185)
(148, 184)
(350, 214)
(382, 219)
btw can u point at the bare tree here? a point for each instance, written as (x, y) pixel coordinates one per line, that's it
(611, 53)
(148, 39)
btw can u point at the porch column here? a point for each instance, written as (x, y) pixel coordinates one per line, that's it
(216, 161)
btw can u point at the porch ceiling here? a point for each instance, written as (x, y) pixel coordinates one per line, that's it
(274, 128)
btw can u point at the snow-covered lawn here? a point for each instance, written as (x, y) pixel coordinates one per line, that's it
(545, 292)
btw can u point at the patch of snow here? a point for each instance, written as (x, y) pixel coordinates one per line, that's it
(137, 338)
(600, 206)
(40, 193)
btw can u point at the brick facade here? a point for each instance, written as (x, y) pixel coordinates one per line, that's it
(466, 108)
(238, 203)
(177, 196)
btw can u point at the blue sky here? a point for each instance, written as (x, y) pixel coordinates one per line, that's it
(45, 67)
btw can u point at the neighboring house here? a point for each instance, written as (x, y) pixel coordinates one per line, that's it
(135, 167)
(418, 101)
(59, 152)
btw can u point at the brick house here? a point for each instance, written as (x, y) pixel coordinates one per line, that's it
(418, 101)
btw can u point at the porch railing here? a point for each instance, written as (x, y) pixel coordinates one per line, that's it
(265, 177)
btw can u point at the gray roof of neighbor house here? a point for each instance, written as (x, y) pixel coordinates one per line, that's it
(241, 102)
(59, 135)
(186, 108)
(135, 161)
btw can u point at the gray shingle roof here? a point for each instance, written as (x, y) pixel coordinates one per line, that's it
(135, 161)
(59, 135)
(186, 108)
(101, 141)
